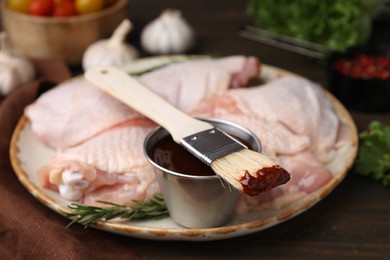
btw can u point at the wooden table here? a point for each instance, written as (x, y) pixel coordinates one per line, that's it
(352, 222)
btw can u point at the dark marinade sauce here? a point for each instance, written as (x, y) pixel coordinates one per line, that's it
(174, 157)
(265, 180)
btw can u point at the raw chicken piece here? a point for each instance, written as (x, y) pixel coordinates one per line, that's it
(296, 124)
(189, 85)
(306, 171)
(76, 110)
(144, 189)
(295, 102)
(73, 112)
(117, 150)
(274, 199)
(109, 167)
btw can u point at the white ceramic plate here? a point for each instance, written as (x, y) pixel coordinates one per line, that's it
(28, 154)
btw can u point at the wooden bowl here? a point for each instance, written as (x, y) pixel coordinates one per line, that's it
(57, 37)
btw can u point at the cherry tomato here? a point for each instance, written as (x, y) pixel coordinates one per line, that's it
(42, 7)
(19, 5)
(65, 9)
(365, 67)
(88, 6)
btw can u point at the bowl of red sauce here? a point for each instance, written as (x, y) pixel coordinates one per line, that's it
(360, 78)
(195, 196)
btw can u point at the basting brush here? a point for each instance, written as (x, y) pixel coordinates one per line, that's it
(246, 170)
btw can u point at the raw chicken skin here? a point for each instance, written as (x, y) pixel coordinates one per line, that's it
(73, 112)
(306, 171)
(189, 86)
(276, 198)
(294, 102)
(117, 150)
(109, 167)
(144, 189)
(275, 138)
(76, 110)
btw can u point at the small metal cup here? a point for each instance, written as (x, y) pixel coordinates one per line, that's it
(198, 201)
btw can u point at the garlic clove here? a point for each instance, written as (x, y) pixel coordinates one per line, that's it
(69, 192)
(168, 34)
(8, 80)
(101, 54)
(15, 70)
(111, 52)
(153, 36)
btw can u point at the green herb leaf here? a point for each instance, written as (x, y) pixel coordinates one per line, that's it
(333, 23)
(142, 210)
(374, 153)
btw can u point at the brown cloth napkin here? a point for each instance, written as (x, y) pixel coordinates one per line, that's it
(28, 229)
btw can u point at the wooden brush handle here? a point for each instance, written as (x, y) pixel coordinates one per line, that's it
(122, 86)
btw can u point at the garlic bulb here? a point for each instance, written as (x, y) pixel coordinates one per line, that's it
(113, 51)
(15, 70)
(169, 33)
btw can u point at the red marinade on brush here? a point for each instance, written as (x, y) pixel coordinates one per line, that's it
(265, 180)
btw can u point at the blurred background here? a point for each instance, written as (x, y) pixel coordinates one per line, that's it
(334, 24)
(299, 36)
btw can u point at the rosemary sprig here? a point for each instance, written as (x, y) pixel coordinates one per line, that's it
(169, 61)
(140, 73)
(142, 210)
